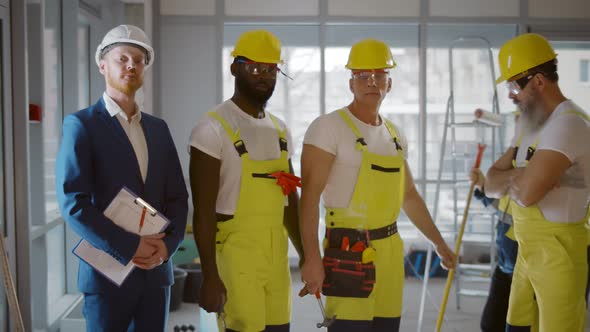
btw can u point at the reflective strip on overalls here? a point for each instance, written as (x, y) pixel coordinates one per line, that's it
(550, 276)
(252, 246)
(375, 204)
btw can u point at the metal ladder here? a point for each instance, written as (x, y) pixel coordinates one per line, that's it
(464, 272)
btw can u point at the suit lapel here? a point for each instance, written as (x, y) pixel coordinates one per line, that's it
(146, 125)
(117, 131)
(113, 124)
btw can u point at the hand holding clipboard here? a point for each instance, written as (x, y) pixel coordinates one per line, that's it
(133, 214)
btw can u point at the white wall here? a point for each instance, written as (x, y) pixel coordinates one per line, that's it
(374, 8)
(189, 79)
(474, 8)
(187, 7)
(559, 9)
(271, 8)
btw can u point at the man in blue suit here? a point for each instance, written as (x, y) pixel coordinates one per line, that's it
(107, 146)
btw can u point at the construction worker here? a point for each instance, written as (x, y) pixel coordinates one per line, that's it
(546, 172)
(108, 146)
(356, 160)
(239, 153)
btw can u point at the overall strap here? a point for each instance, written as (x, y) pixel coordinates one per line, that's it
(282, 133)
(393, 134)
(531, 149)
(361, 145)
(529, 153)
(582, 114)
(234, 136)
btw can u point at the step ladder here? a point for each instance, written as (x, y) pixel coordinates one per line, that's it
(466, 274)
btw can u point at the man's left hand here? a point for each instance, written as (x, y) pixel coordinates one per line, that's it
(157, 258)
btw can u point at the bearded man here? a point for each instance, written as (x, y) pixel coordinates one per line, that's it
(241, 216)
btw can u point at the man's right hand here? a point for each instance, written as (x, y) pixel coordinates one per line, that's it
(144, 249)
(312, 275)
(477, 177)
(212, 295)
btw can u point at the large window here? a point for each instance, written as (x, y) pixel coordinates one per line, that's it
(53, 107)
(3, 225)
(84, 64)
(585, 71)
(474, 74)
(571, 57)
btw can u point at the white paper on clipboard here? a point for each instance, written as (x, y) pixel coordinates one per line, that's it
(125, 210)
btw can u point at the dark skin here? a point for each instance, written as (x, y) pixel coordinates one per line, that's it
(204, 173)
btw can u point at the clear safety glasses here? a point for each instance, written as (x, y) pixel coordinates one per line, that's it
(261, 68)
(379, 77)
(517, 85)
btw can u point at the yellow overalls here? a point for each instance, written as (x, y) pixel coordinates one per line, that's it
(551, 269)
(375, 204)
(252, 246)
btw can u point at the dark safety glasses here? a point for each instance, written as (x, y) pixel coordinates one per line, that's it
(517, 85)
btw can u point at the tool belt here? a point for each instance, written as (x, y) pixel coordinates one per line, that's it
(349, 261)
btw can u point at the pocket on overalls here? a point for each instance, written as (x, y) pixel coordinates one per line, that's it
(220, 240)
(346, 274)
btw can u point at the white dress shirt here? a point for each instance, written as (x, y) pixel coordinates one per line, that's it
(133, 130)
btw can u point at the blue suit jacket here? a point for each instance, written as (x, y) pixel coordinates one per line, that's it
(95, 160)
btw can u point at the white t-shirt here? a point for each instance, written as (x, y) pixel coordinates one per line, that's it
(330, 133)
(260, 138)
(568, 134)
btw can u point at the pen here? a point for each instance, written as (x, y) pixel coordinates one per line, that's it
(142, 220)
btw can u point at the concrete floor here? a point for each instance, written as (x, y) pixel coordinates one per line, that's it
(306, 314)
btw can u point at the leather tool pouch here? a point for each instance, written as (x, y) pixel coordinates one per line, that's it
(346, 275)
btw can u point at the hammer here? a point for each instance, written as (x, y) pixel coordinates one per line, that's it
(327, 322)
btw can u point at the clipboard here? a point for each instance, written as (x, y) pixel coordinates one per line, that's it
(125, 210)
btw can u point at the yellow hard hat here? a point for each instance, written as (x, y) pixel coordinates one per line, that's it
(370, 54)
(522, 53)
(259, 46)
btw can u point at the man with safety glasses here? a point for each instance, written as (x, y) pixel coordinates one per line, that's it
(356, 160)
(239, 153)
(546, 172)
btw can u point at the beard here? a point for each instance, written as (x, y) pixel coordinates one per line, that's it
(533, 115)
(258, 93)
(127, 87)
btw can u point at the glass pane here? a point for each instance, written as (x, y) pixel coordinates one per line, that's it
(3, 228)
(402, 104)
(570, 56)
(474, 75)
(83, 66)
(584, 71)
(56, 278)
(53, 115)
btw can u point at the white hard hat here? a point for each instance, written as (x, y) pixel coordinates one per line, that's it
(126, 34)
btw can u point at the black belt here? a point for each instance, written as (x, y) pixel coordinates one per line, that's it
(335, 235)
(383, 232)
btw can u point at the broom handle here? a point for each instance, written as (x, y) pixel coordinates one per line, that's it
(450, 276)
(10, 289)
